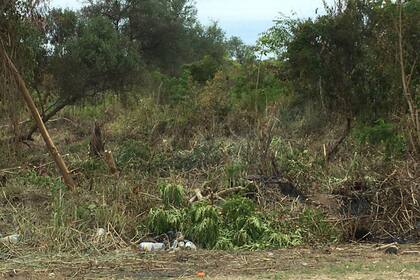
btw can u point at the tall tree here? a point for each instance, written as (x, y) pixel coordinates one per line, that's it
(88, 57)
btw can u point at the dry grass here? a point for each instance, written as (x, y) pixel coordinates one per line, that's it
(344, 262)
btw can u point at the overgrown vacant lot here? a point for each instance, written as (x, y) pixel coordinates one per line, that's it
(335, 262)
(58, 228)
(293, 158)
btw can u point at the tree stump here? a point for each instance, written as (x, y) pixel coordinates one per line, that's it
(96, 145)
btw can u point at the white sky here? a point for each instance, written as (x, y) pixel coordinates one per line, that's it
(243, 18)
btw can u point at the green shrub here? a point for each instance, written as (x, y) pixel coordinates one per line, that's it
(175, 89)
(203, 70)
(236, 224)
(234, 171)
(58, 207)
(133, 154)
(204, 223)
(250, 95)
(225, 240)
(383, 134)
(236, 210)
(163, 220)
(172, 195)
(277, 239)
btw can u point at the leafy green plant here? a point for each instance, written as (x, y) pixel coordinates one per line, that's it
(384, 134)
(236, 210)
(204, 223)
(225, 240)
(278, 239)
(175, 89)
(234, 171)
(172, 195)
(163, 220)
(236, 224)
(240, 217)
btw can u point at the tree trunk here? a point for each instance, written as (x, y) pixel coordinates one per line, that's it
(68, 180)
(49, 113)
(414, 112)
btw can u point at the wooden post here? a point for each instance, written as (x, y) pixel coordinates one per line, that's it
(68, 180)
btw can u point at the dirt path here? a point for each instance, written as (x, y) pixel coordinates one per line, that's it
(342, 262)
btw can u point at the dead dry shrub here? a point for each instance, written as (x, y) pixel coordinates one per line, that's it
(396, 204)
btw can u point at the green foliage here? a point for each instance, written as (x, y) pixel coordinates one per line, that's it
(92, 166)
(172, 195)
(89, 111)
(203, 70)
(257, 86)
(20, 34)
(315, 228)
(32, 178)
(234, 171)
(204, 155)
(235, 224)
(383, 134)
(344, 58)
(240, 52)
(161, 220)
(237, 210)
(175, 89)
(277, 239)
(97, 57)
(204, 223)
(247, 227)
(133, 154)
(296, 162)
(62, 26)
(277, 38)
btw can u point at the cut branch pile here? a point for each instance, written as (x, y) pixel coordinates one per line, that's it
(389, 210)
(396, 205)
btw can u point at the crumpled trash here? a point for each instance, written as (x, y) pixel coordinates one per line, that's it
(100, 232)
(170, 241)
(183, 245)
(190, 246)
(151, 247)
(11, 239)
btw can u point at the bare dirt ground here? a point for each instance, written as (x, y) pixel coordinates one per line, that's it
(339, 262)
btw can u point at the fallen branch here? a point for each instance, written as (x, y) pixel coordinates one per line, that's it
(198, 196)
(334, 147)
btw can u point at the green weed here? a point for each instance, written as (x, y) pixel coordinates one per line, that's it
(172, 195)
(382, 134)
